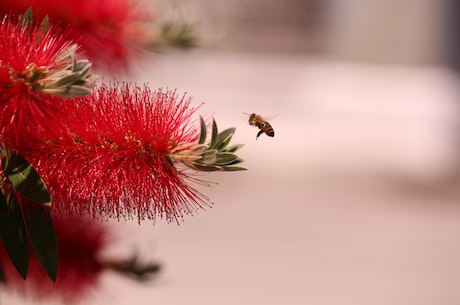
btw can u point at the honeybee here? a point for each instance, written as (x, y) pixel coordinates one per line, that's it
(262, 124)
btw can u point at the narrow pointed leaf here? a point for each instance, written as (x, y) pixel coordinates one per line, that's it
(224, 137)
(225, 158)
(24, 178)
(83, 66)
(203, 167)
(171, 164)
(75, 90)
(13, 233)
(45, 24)
(67, 80)
(214, 135)
(234, 168)
(67, 52)
(43, 239)
(233, 148)
(236, 161)
(202, 131)
(222, 146)
(27, 18)
(209, 157)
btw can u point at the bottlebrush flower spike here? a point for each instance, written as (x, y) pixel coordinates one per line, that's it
(108, 30)
(35, 61)
(120, 153)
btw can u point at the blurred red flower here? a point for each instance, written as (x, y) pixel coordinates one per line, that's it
(111, 158)
(80, 243)
(107, 30)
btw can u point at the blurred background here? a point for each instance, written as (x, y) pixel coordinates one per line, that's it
(356, 199)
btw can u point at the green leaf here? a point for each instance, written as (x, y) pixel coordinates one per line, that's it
(68, 52)
(171, 164)
(43, 239)
(83, 66)
(75, 90)
(214, 135)
(202, 131)
(67, 80)
(236, 161)
(45, 24)
(233, 148)
(234, 168)
(225, 158)
(27, 18)
(24, 178)
(13, 233)
(209, 157)
(224, 138)
(223, 145)
(204, 168)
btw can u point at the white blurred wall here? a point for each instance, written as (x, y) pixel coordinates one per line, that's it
(401, 31)
(397, 31)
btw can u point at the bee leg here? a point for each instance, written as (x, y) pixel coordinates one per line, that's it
(259, 133)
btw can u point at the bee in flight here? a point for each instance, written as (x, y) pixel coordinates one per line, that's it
(262, 124)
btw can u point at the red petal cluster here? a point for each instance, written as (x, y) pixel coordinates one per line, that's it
(80, 244)
(23, 110)
(104, 28)
(110, 159)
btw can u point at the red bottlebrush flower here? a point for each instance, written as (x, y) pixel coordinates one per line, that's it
(113, 157)
(106, 29)
(80, 244)
(33, 63)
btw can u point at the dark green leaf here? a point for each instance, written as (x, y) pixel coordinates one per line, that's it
(236, 161)
(171, 164)
(225, 158)
(202, 131)
(75, 90)
(13, 233)
(204, 168)
(224, 138)
(83, 66)
(214, 135)
(43, 239)
(67, 80)
(222, 147)
(234, 168)
(24, 178)
(233, 148)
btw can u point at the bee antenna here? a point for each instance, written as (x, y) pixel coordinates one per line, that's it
(247, 114)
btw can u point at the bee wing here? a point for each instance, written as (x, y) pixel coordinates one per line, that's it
(266, 118)
(270, 118)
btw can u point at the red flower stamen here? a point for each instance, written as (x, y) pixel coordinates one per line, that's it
(111, 158)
